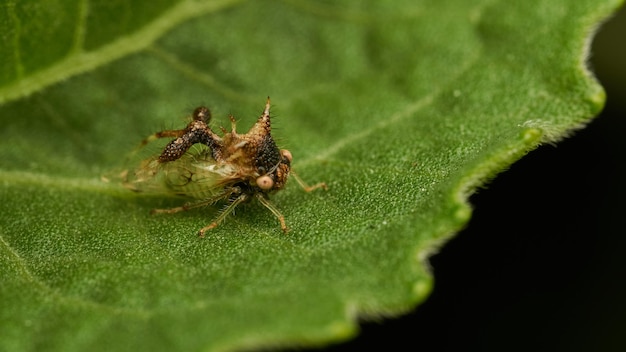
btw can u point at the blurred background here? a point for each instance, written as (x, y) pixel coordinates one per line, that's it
(554, 278)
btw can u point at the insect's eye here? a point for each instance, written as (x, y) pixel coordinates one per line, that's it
(286, 154)
(265, 182)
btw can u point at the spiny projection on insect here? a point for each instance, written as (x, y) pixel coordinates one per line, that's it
(233, 168)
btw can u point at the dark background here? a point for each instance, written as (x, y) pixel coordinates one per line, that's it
(542, 264)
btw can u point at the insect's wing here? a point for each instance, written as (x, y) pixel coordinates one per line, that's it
(148, 177)
(196, 175)
(140, 170)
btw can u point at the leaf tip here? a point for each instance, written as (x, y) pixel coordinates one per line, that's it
(422, 288)
(531, 136)
(462, 213)
(597, 100)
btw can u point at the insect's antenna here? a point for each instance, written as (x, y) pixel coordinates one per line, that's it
(273, 168)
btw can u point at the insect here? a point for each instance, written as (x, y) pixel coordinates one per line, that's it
(233, 168)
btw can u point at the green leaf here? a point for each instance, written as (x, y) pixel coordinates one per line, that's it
(403, 108)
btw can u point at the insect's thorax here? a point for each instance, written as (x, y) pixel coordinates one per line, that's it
(253, 155)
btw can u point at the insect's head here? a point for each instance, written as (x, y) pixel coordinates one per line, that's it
(276, 178)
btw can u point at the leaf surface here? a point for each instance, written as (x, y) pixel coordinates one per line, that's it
(403, 109)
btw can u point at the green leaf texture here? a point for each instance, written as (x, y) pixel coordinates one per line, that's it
(403, 108)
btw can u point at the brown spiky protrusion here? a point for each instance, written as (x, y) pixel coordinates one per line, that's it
(197, 131)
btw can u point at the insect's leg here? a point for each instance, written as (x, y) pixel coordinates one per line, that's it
(184, 207)
(306, 187)
(162, 134)
(223, 214)
(154, 137)
(199, 114)
(274, 211)
(192, 205)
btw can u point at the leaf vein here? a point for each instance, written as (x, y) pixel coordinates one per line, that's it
(81, 62)
(193, 73)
